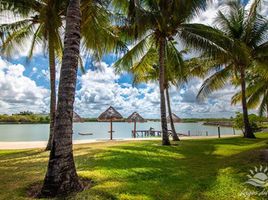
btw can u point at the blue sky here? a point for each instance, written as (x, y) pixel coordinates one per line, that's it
(24, 85)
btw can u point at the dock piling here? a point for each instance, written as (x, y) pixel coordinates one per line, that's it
(219, 132)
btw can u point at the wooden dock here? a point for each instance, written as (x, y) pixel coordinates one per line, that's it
(153, 133)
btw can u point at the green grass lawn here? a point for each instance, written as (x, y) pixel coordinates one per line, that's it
(192, 169)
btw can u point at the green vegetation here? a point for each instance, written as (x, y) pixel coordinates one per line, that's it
(24, 118)
(232, 52)
(256, 122)
(237, 46)
(90, 119)
(198, 169)
(190, 120)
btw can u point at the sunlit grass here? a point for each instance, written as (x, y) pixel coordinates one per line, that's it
(194, 169)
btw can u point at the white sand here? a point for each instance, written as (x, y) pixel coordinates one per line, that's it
(42, 144)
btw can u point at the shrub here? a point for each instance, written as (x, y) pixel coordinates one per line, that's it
(254, 121)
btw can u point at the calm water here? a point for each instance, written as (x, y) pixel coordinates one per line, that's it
(39, 132)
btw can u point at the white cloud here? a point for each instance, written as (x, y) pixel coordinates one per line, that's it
(100, 88)
(218, 104)
(208, 16)
(19, 92)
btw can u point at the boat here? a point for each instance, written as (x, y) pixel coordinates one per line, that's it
(85, 133)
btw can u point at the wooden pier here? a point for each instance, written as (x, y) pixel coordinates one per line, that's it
(152, 133)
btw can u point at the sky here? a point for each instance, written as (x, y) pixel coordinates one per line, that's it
(24, 85)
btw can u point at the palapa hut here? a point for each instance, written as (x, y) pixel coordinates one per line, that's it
(110, 115)
(175, 118)
(77, 118)
(135, 117)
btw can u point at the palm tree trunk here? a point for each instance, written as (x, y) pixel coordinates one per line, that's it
(162, 46)
(52, 69)
(135, 128)
(266, 110)
(248, 133)
(111, 129)
(174, 134)
(61, 177)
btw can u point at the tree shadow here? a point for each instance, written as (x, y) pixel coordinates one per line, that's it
(188, 170)
(145, 169)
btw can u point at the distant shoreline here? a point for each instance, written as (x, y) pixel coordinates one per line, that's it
(223, 124)
(6, 123)
(206, 123)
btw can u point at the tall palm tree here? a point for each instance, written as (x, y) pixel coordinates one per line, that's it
(147, 70)
(153, 75)
(61, 177)
(41, 22)
(234, 45)
(155, 22)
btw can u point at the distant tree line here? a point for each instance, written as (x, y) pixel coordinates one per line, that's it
(23, 118)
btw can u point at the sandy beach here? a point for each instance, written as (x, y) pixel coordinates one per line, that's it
(42, 144)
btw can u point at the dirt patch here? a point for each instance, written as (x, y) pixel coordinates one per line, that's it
(33, 191)
(264, 155)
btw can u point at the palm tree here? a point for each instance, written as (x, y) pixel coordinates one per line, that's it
(41, 22)
(174, 75)
(152, 75)
(61, 177)
(155, 22)
(234, 44)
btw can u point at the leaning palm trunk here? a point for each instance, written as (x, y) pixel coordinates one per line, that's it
(52, 69)
(162, 46)
(61, 177)
(174, 134)
(248, 133)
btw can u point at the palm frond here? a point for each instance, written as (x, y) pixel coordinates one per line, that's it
(133, 55)
(35, 39)
(264, 105)
(216, 81)
(22, 7)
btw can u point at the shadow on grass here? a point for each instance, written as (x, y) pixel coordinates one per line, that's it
(192, 169)
(11, 154)
(185, 171)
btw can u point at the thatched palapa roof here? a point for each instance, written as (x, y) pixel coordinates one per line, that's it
(77, 118)
(110, 114)
(135, 117)
(175, 118)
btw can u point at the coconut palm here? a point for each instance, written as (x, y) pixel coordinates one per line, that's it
(174, 74)
(155, 23)
(234, 45)
(153, 75)
(43, 21)
(40, 22)
(61, 177)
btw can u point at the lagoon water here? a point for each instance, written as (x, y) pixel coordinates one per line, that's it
(39, 132)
